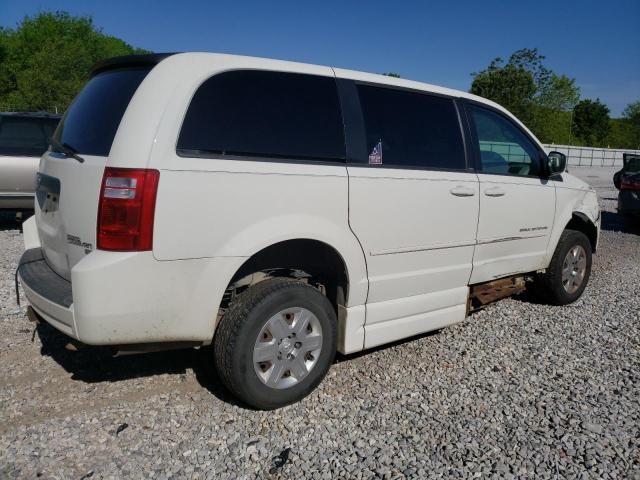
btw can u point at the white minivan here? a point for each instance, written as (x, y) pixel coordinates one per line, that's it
(282, 212)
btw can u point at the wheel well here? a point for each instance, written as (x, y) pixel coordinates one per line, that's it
(313, 261)
(580, 222)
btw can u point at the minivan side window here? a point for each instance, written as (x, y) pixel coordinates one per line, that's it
(504, 149)
(264, 114)
(411, 129)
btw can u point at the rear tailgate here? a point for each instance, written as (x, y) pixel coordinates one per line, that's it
(68, 190)
(66, 204)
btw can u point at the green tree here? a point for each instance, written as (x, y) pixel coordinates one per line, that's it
(620, 134)
(553, 126)
(631, 119)
(556, 92)
(632, 113)
(510, 85)
(534, 93)
(45, 61)
(560, 93)
(591, 122)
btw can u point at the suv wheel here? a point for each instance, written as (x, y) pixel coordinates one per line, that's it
(569, 270)
(276, 343)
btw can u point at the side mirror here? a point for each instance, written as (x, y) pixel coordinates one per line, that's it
(557, 162)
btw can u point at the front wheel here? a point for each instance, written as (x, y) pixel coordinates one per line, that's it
(569, 270)
(275, 343)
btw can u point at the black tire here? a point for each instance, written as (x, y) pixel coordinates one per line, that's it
(243, 322)
(549, 285)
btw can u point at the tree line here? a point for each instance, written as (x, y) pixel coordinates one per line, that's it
(45, 60)
(550, 105)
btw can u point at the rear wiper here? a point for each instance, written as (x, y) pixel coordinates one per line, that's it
(67, 149)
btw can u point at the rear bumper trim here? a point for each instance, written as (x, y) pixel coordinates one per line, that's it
(38, 276)
(55, 315)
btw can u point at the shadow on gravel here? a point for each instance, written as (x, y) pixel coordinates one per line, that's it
(617, 223)
(529, 297)
(97, 365)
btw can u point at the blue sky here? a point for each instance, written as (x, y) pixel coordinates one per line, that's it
(596, 42)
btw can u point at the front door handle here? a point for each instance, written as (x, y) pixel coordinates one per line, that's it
(460, 191)
(495, 192)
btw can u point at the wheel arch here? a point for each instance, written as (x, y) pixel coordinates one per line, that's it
(574, 214)
(581, 222)
(338, 269)
(305, 258)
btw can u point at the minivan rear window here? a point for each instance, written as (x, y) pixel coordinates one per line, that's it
(24, 136)
(264, 114)
(90, 124)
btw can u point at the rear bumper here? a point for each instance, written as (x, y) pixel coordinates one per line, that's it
(49, 294)
(129, 298)
(629, 202)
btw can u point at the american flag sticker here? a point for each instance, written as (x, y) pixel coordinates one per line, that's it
(375, 157)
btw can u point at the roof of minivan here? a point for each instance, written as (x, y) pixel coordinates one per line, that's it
(284, 65)
(155, 58)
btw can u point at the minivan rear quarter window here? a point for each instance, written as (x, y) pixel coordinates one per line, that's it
(264, 114)
(90, 124)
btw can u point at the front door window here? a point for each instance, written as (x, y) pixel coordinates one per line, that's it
(504, 149)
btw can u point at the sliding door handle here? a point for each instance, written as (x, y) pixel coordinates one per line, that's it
(495, 192)
(460, 191)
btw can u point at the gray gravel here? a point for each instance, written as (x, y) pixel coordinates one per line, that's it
(517, 390)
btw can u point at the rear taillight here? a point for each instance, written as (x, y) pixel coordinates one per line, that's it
(126, 209)
(630, 184)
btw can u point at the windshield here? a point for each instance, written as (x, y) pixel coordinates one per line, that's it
(90, 124)
(25, 136)
(633, 165)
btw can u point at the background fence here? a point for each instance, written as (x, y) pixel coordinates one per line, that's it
(591, 157)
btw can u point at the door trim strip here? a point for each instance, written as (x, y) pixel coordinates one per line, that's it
(442, 246)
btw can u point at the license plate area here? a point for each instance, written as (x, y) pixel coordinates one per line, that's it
(47, 192)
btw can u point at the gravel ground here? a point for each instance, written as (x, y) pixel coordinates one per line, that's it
(518, 390)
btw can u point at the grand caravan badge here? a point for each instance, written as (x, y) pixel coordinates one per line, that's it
(532, 229)
(77, 241)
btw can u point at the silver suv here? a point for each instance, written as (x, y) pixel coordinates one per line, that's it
(23, 140)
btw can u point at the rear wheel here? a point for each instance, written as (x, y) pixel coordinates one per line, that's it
(275, 343)
(569, 270)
